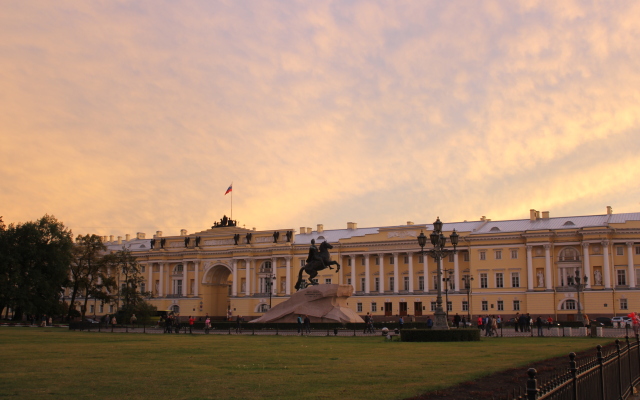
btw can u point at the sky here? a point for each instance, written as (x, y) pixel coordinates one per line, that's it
(120, 117)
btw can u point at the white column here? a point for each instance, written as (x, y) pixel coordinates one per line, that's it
(585, 263)
(287, 289)
(150, 278)
(185, 284)
(353, 272)
(161, 285)
(410, 256)
(396, 275)
(605, 265)
(425, 258)
(456, 273)
(632, 271)
(547, 266)
(247, 284)
(381, 260)
(340, 273)
(234, 287)
(196, 267)
(367, 274)
(274, 271)
(529, 269)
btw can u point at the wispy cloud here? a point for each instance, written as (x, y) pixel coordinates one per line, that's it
(125, 116)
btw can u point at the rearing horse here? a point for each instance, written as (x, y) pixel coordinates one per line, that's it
(314, 266)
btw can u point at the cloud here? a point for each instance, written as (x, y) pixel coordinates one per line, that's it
(122, 117)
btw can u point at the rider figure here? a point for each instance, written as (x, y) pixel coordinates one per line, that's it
(314, 254)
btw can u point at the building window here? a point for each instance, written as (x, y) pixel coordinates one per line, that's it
(622, 277)
(406, 259)
(435, 282)
(101, 308)
(143, 287)
(498, 254)
(178, 269)
(327, 281)
(433, 306)
(391, 283)
(92, 309)
(263, 308)
(483, 255)
(499, 280)
(500, 305)
(619, 250)
(421, 283)
(348, 281)
(110, 308)
(315, 281)
(374, 307)
(363, 284)
(392, 260)
(362, 261)
(514, 254)
(450, 258)
(377, 284)
(449, 306)
(377, 260)
(569, 305)
(515, 279)
(348, 262)
(465, 256)
(303, 262)
(516, 305)
(406, 283)
(484, 281)
(359, 307)
(142, 269)
(465, 305)
(485, 305)
(623, 304)
(637, 250)
(421, 259)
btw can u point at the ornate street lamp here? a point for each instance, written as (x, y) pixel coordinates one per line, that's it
(269, 282)
(579, 283)
(447, 281)
(439, 241)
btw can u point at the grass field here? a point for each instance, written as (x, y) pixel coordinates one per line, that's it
(49, 363)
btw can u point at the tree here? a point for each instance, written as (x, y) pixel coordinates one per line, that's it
(88, 273)
(34, 265)
(129, 277)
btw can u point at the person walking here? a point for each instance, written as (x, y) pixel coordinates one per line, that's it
(207, 324)
(191, 323)
(239, 324)
(539, 324)
(307, 324)
(299, 324)
(400, 323)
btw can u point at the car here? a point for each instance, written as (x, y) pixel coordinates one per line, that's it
(92, 321)
(606, 321)
(621, 321)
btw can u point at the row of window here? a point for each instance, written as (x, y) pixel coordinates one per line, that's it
(465, 306)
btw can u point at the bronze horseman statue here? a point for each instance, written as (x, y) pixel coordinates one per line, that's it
(316, 261)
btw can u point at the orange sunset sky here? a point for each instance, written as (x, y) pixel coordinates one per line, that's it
(135, 116)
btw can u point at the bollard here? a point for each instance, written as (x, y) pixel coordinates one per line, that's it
(532, 384)
(574, 374)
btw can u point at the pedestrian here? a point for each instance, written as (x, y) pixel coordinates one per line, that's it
(429, 323)
(299, 320)
(487, 325)
(113, 320)
(307, 324)
(480, 322)
(400, 323)
(239, 323)
(464, 322)
(539, 324)
(516, 321)
(191, 323)
(133, 321)
(494, 325)
(456, 320)
(549, 322)
(207, 324)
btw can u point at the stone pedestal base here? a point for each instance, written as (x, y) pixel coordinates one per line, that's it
(322, 303)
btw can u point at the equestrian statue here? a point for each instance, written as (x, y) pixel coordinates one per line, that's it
(316, 261)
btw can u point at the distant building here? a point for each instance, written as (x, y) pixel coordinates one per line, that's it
(517, 266)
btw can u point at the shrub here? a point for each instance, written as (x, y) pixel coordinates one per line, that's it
(430, 335)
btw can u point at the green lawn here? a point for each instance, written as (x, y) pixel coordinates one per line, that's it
(49, 363)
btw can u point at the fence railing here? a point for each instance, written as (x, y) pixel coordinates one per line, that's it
(603, 377)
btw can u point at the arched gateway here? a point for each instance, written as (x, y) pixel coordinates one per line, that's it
(216, 284)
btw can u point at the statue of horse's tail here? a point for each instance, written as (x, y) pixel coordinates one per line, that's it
(299, 279)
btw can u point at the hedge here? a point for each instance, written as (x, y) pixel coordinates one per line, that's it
(430, 335)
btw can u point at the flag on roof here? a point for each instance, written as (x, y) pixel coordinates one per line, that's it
(228, 190)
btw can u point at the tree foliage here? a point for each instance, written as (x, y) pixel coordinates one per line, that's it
(129, 276)
(34, 262)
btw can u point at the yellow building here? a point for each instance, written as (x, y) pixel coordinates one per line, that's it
(513, 266)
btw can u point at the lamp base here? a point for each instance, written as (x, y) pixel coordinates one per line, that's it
(440, 320)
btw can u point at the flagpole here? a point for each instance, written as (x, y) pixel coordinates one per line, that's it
(232, 204)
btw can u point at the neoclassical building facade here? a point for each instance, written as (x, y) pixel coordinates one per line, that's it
(501, 267)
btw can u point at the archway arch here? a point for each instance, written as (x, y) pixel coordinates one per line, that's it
(215, 284)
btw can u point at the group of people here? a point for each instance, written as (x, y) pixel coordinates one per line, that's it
(489, 324)
(304, 325)
(368, 324)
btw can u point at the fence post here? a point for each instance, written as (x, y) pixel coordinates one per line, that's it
(601, 368)
(532, 384)
(619, 367)
(629, 358)
(574, 374)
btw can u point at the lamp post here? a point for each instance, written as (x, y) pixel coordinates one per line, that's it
(578, 283)
(269, 282)
(467, 284)
(447, 281)
(439, 241)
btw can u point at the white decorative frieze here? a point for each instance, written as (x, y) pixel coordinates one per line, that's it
(264, 239)
(218, 242)
(402, 234)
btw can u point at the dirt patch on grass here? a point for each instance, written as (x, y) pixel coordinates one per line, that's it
(503, 384)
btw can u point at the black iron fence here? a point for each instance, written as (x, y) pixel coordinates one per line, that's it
(603, 377)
